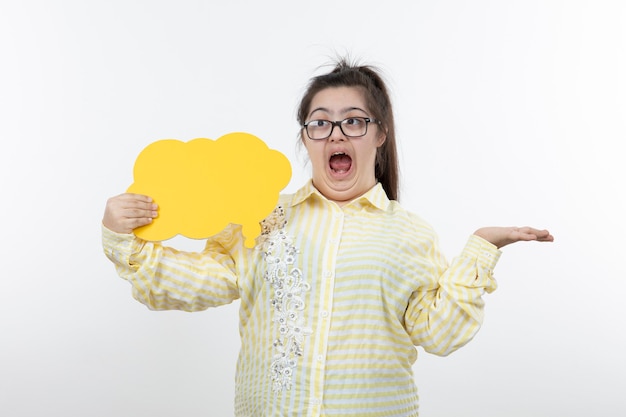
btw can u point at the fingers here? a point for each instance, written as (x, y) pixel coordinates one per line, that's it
(502, 236)
(545, 236)
(530, 233)
(128, 211)
(132, 199)
(537, 233)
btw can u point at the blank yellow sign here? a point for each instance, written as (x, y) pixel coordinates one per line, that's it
(203, 185)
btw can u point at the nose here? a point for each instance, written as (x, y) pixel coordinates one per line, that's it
(336, 133)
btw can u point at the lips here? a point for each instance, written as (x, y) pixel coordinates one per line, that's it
(340, 162)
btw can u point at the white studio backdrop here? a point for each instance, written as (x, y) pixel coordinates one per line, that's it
(508, 113)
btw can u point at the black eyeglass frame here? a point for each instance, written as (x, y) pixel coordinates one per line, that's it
(339, 123)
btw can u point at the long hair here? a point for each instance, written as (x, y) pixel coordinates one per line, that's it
(378, 102)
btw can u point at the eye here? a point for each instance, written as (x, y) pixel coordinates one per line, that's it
(318, 123)
(354, 121)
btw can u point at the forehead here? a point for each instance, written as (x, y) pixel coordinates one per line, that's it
(338, 100)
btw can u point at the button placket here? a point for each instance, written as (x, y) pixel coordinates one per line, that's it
(329, 261)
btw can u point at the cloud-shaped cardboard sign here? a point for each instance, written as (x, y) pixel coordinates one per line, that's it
(203, 185)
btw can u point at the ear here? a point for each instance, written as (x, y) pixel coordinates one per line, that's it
(382, 137)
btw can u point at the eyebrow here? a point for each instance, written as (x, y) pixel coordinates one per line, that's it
(342, 111)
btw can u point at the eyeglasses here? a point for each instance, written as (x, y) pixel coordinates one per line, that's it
(352, 127)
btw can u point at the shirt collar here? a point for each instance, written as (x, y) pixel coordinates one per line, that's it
(375, 196)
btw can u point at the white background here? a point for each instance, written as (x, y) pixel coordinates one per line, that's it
(508, 113)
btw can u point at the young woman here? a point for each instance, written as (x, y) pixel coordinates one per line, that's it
(342, 284)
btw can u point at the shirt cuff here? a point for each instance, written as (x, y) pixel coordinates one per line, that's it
(486, 256)
(117, 246)
(485, 253)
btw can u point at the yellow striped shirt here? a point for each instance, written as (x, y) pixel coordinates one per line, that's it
(333, 301)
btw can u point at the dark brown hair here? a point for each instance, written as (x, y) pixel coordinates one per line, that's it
(378, 102)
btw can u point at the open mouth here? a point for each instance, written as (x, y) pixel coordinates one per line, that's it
(340, 162)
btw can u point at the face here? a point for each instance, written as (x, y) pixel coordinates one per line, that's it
(343, 167)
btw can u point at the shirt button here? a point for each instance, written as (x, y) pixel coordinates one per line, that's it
(328, 274)
(320, 358)
(316, 401)
(324, 314)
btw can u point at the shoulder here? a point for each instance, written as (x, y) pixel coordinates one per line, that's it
(411, 226)
(411, 218)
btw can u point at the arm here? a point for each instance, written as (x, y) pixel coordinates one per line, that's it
(444, 317)
(163, 278)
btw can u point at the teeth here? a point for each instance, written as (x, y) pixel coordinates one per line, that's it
(339, 153)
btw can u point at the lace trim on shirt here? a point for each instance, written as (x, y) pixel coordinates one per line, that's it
(287, 301)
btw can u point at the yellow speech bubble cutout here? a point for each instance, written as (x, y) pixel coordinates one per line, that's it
(203, 185)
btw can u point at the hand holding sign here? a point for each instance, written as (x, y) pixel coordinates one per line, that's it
(203, 185)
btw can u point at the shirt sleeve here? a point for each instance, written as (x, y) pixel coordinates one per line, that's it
(164, 278)
(446, 315)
